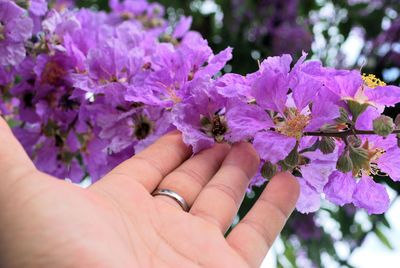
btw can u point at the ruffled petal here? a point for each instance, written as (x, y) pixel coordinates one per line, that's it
(273, 146)
(340, 188)
(309, 199)
(371, 196)
(245, 120)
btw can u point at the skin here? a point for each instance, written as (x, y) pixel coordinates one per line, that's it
(116, 222)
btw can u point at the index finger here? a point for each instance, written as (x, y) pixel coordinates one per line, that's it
(254, 235)
(14, 162)
(149, 166)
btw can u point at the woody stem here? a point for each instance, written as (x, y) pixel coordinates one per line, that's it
(346, 133)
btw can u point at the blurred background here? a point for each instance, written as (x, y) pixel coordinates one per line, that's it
(344, 34)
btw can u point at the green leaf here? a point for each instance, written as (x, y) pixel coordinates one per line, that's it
(383, 238)
(385, 222)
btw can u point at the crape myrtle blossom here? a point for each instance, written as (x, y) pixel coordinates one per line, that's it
(86, 90)
(358, 186)
(15, 29)
(201, 116)
(277, 118)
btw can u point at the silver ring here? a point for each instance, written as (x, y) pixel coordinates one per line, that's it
(174, 196)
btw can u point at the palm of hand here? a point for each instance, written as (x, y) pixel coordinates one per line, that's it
(118, 223)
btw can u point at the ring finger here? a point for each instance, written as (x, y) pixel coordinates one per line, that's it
(189, 178)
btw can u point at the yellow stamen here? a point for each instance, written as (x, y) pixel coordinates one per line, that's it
(172, 92)
(371, 81)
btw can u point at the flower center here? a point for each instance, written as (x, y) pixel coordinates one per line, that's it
(215, 127)
(143, 127)
(172, 90)
(293, 124)
(373, 155)
(52, 74)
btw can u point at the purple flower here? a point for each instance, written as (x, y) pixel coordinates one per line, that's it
(182, 27)
(340, 188)
(352, 86)
(15, 29)
(383, 157)
(288, 115)
(201, 117)
(371, 196)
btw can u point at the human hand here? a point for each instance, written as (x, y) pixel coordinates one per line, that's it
(116, 222)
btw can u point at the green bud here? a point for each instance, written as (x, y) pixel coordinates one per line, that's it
(354, 141)
(344, 163)
(268, 170)
(293, 157)
(284, 166)
(359, 157)
(356, 108)
(397, 121)
(326, 145)
(344, 116)
(383, 125)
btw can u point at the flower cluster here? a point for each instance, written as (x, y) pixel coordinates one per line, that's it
(87, 90)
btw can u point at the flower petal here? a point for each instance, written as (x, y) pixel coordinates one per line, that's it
(309, 199)
(371, 196)
(273, 146)
(340, 188)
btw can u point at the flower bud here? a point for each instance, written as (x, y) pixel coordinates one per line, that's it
(354, 141)
(329, 128)
(344, 163)
(344, 116)
(268, 170)
(356, 108)
(293, 157)
(359, 157)
(397, 121)
(326, 145)
(283, 165)
(383, 125)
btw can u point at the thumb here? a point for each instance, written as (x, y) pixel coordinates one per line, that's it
(14, 162)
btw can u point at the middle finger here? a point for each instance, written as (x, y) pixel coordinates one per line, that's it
(189, 178)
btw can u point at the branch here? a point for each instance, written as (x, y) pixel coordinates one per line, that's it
(346, 133)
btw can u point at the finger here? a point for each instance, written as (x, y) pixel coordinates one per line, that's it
(14, 162)
(150, 165)
(221, 197)
(254, 235)
(189, 178)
